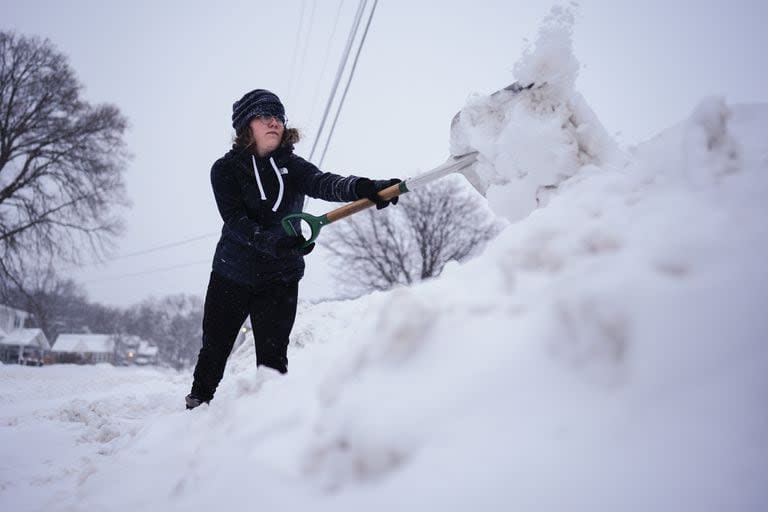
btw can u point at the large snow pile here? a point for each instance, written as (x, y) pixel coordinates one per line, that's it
(607, 351)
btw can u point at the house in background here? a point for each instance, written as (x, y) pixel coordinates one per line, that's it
(132, 350)
(17, 344)
(31, 347)
(147, 354)
(11, 318)
(84, 348)
(24, 346)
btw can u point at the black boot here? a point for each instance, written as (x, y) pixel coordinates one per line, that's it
(192, 401)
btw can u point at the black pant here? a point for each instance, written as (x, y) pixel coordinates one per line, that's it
(227, 303)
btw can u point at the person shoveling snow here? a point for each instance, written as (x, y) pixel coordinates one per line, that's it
(257, 267)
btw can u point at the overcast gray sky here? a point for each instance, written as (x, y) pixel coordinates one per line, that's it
(175, 67)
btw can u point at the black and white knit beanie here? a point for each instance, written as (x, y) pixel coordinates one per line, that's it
(258, 102)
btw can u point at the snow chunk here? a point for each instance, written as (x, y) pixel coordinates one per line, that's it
(709, 150)
(538, 132)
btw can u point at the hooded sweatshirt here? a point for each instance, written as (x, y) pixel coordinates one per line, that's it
(253, 194)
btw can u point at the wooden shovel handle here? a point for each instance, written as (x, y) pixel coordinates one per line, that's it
(361, 204)
(316, 223)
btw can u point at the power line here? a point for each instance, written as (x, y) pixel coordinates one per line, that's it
(325, 59)
(165, 246)
(144, 272)
(349, 81)
(74, 267)
(306, 43)
(296, 45)
(339, 72)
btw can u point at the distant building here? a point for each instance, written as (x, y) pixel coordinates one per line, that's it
(24, 346)
(11, 319)
(147, 354)
(126, 349)
(84, 348)
(130, 350)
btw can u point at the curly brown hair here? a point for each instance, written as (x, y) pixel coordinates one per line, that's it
(244, 139)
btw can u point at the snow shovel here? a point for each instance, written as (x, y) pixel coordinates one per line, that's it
(455, 164)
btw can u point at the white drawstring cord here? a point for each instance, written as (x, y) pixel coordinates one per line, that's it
(280, 181)
(258, 179)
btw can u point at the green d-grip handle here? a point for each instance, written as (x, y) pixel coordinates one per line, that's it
(315, 224)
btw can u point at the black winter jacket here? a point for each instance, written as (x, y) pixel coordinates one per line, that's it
(253, 194)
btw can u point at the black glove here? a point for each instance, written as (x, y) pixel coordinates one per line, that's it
(288, 246)
(369, 189)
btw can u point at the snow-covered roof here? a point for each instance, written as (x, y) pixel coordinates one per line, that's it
(129, 340)
(26, 337)
(82, 343)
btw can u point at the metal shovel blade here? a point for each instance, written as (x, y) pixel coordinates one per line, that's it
(464, 164)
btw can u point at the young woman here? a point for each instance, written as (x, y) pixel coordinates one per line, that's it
(257, 267)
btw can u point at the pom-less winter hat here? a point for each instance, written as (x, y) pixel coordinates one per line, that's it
(258, 102)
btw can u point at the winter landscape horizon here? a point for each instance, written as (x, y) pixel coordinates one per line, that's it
(606, 351)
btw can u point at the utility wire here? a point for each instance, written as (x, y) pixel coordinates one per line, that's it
(339, 72)
(325, 60)
(75, 267)
(296, 45)
(166, 246)
(303, 60)
(144, 272)
(349, 81)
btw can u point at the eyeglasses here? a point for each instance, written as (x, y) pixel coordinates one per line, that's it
(268, 119)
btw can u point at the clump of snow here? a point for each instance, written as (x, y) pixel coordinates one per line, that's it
(532, 139)
(709, 149)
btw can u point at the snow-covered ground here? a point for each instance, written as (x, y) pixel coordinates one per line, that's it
(606, 352)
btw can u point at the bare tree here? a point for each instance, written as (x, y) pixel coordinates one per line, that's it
(61, 162)
(56, 305)
(60, 305)
(377, 250)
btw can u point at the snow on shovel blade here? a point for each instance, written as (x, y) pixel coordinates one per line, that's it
(490, 110)
(495, 107)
